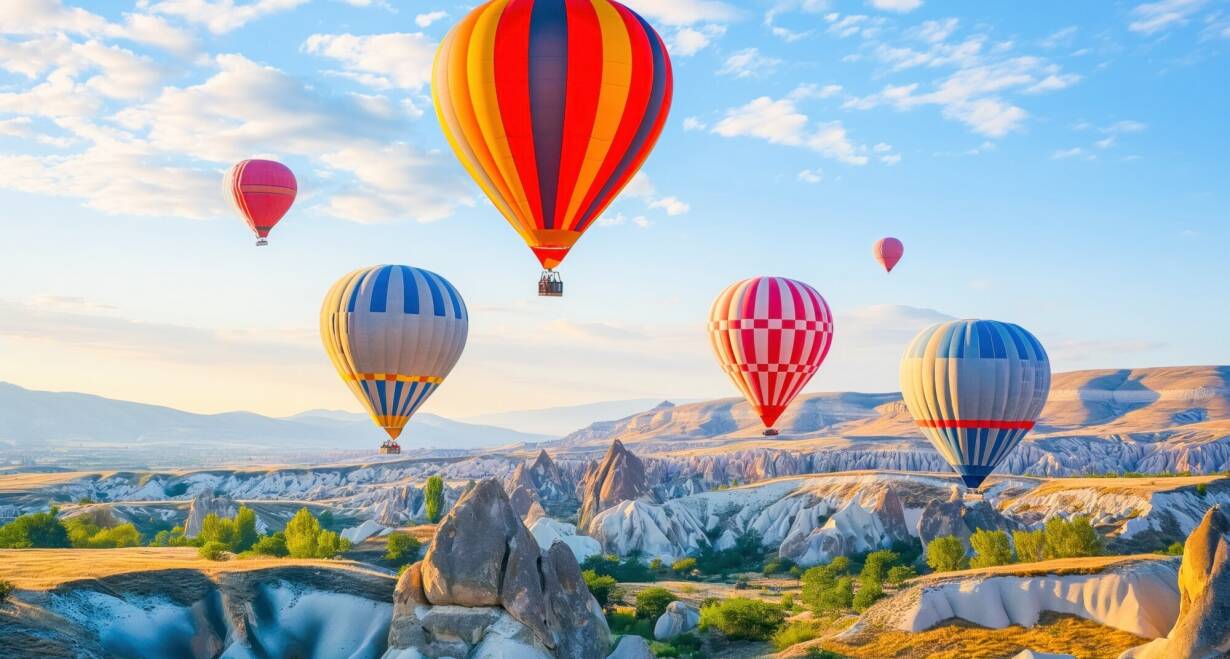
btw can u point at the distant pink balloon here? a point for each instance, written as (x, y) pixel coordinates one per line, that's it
(888, 251)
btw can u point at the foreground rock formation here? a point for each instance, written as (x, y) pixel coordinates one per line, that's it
(485, 589)
(620, 476)
(1202, 630)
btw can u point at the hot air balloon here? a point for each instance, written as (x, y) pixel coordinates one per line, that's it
(770, 335)
(261, 192)
(552, 106)
(888, 252)
(393, 332)
(975, 387)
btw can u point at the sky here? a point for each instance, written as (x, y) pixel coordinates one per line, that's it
(1055, 164)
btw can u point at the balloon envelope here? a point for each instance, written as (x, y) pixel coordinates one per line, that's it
(770, 335)
(261, 191)
(552, 106)
(393, 332)
(888, 252)
(975, 388)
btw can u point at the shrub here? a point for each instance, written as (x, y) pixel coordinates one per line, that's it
(788, 601)
(684, 645)
(401, 548)
(1175, 549)
(1030, 546)
(746, 554)
(826, 588)
(655, 564)
(271, 545)
(1072, 538)
(305, 539)
(433, 498)
(684, 565)
(624, 623)
(794, 633)
(245, 535)
(601, 586)
(329, 544)
(945, 553)
(212, 551)
(1202, 489)
(37, 530)
(83, 533)
(869, 590)
(875, 566)
(991, 548)
(217, 529)
(651, 602)
(821, 653)
(777, 564)
(743, 619)
(6, 589)
(899, 574)
(626, 570)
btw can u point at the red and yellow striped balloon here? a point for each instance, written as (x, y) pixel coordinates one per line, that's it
(552, 106)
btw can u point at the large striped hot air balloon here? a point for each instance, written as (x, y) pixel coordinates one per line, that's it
(261, 191)
(552, 106)
(888, 252)
(975, 387)
(393, 332)
(770, 335)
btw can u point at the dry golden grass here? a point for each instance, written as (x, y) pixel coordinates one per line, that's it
(1128, 485)
(961, 640)
(18, 483)
(44, 569)
(759, 587)
(1056, 566)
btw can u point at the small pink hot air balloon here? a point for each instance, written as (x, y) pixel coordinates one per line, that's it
(261, 191)
(888, 251)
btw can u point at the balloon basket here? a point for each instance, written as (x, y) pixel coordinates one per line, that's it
(770, 432)
(390, 448)
(550, 284)
(972, 496)
(261, 242)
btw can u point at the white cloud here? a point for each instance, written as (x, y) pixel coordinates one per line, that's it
(672, 205)
(693, 123)
(640, 187)
(1074, 152)
(899, 6)
(749, 63)
(851, 25)
(781, 122)
(687, 41)
(382, 61)
(684, 12)
(51, 17)
(382, 194)
(891, 158)
(1061, 37)
(936, 31)
(811, 176)
(219, 16)
(425, 20)
(1150, 17)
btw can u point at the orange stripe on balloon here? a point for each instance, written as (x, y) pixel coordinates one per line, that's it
(585, 57)
(512, 93)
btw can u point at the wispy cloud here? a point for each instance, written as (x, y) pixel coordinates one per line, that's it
(779, 121)
(1152, 17)
(749, 63)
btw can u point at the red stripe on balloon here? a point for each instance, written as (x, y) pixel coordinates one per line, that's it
(512, 83)
(976, 423)
(584, 87)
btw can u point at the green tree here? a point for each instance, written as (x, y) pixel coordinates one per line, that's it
(6, 588)
(1030, 546)
(212, 551)
(740, 618)
(1071, 538)
(945, 553)
(302, 533)
(329, 544)
(601, 586)
(869, 590)
(273, 544)
(875, 566)
(826, 588)
(401, 548)
(652, 602)
(217, 529)
(433, 498)
(37, 530)
(837, 598)
(1175, 549)
(991, 548)
(899, 574)
(245, 536)
(684, 565)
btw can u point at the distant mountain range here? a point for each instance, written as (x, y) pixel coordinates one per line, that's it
(559, 421)
(39, 419)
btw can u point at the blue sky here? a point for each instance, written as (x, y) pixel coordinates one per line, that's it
(1061, 165)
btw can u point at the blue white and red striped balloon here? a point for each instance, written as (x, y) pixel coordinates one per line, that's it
(975, 388)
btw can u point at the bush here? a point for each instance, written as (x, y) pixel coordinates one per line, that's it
(623, 623)
(684, 565)
(601, 586)
(821, 653)
(1202, 489)
(36, 530)
(777, 564)
(651, 602)
(869, 590)
(743, 619)
(684, 645)
(655, 564)
(305, 539)
(329, 544)
(745, 555)
(217, 529)
(6, 589)
(245, 535)
(899, 574)
(212, 551)
(1072, 538)
(875, 566)
(794, 633)
(433, 498)
(627, 570)
(991, 548)
(83, 533)
(1175, 549)
(826, 588)
(945, 554)
(401, 548)
(1030, 546)
(271, 545)
(788, 601)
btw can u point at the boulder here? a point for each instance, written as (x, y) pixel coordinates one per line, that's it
(632, 647)
(574, 616)
(204, 504)
(1202, 629)
(956, 517)
(521, 491)
(465, 562)
(679, 618)
(620, 476)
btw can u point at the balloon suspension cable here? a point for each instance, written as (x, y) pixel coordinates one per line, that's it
(550, 284)
(261, 242)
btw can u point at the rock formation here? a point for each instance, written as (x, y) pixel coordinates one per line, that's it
(1202, 630)
(620, 476)
(554, 488)
(548, 531)
(632, 647)
(955, 517)
(679, 618)
(485, 589)
(200, 508)
(852, 529)
(522, 492)
(668, 531)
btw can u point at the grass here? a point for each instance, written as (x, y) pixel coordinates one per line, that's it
(1057, 566)
(1055, 633)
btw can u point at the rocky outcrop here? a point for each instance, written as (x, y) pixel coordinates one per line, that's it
(851, 530)
(1202, 630)
(522, 492)
(357, 534)
(665, 531)
(679, 618)
(620, 476)
(555, 489)
(632, 647)
(956, 517)
(485, 589)
(202, 506)
(548, 531)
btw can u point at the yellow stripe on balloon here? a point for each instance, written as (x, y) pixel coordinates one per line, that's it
(394, 377)
(481, 75)
(612, 100)
(451, 125)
